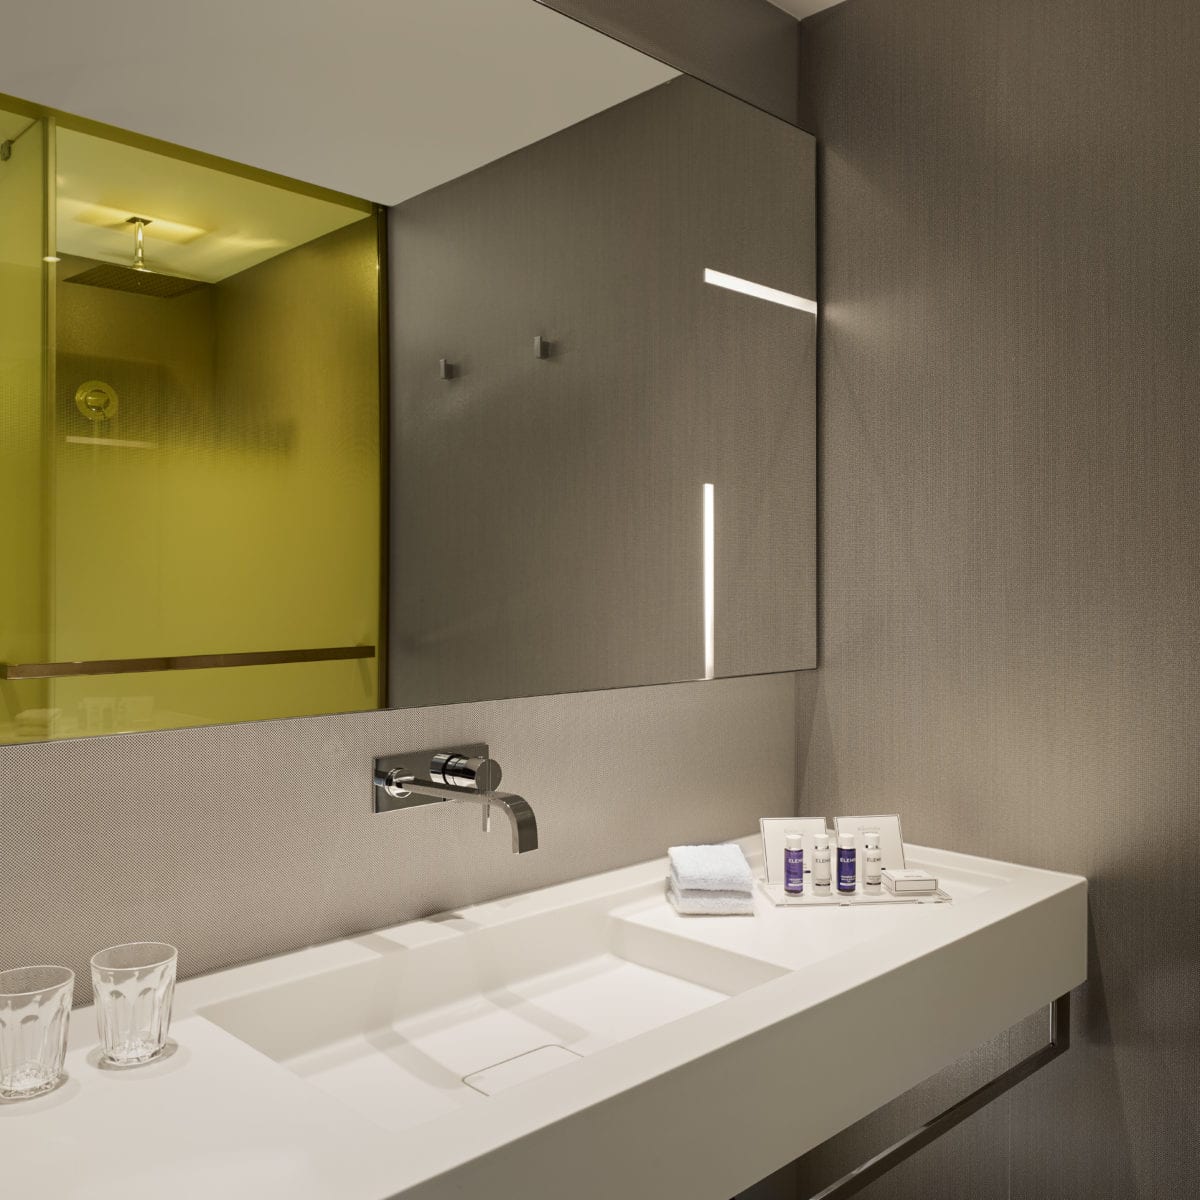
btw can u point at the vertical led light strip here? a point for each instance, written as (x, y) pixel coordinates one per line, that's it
(710, 581)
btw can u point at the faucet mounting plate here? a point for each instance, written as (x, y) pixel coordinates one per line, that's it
(419, 765)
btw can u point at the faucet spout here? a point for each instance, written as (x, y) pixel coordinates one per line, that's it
(519, 813)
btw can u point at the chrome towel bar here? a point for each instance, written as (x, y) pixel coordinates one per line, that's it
(1059, 1042)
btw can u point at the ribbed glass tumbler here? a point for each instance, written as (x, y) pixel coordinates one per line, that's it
(134, 985)
(35, 1012)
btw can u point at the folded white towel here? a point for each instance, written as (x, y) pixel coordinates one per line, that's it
(710, 903)
(710, 869)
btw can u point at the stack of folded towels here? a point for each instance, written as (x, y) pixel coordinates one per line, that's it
(710, 881)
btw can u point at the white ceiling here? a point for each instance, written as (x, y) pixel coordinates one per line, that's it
(382, 99)
(804, 8)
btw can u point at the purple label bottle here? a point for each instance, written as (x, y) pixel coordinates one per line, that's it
(847, 876)
(793, 865)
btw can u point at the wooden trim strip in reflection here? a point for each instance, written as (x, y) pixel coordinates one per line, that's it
(182, 662)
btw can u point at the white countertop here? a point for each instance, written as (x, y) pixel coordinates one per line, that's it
(699, 1107)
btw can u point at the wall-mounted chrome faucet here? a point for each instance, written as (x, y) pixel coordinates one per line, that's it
(464, 773)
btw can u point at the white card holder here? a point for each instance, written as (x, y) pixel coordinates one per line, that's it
(891, 840)
(775, 830)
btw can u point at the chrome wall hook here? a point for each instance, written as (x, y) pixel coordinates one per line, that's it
(542, 347)
(446, 369)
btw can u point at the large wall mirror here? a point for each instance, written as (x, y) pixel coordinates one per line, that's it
(491, 376)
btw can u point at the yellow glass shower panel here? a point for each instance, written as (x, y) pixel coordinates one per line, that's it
(202, 453)
(24, 499)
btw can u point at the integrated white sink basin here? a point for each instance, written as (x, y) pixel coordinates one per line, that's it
(421, 1031)
(583, 1040)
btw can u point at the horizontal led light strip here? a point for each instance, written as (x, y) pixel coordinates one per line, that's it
(758, 290)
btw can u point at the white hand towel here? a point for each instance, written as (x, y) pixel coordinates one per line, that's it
(710, 904)
(710, 869)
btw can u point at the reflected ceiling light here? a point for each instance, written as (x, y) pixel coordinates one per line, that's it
(51, 258)
(759, 291)
(102, 216)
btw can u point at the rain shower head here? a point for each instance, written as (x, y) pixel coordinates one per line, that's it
(137, 277)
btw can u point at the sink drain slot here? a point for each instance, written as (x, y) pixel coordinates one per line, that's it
(512, 1071)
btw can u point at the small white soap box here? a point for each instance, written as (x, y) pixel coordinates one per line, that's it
(909, 881)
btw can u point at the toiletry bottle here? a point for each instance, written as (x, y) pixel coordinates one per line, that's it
(847, 863)
(822, 872)
(793, 864)
(872, 864)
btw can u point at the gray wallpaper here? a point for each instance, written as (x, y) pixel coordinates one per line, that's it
(238, 841)
(558, 547)
(744, 47)
(1010, 543)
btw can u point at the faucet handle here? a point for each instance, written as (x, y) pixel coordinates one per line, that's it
(452, 770)
(405, 780)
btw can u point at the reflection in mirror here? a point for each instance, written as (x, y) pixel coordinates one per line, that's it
(600, 324)
(613, 483)
(192, 426)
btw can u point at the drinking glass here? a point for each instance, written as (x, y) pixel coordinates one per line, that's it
(35, 1011)
(134, 985)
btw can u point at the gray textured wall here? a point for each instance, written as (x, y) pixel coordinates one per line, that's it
(744, 47)
(547, 514)
(239, 841)
(1010, 543)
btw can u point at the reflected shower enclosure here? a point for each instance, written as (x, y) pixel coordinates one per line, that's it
(190, 411)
